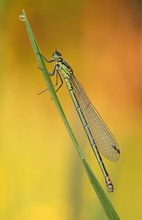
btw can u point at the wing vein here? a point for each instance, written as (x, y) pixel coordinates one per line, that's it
(103, 137)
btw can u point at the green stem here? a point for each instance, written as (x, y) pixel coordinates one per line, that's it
(106, 204)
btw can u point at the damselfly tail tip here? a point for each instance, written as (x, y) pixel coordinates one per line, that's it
(109, 184)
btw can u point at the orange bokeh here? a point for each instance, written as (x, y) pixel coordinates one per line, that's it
(41, 175)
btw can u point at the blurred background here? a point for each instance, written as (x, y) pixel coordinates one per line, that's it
(41, 176)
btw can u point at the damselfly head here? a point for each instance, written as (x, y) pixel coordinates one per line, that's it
(56, 54)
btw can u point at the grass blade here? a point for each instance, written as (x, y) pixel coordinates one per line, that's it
(106, 204)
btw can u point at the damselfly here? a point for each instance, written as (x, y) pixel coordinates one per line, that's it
(98, 134)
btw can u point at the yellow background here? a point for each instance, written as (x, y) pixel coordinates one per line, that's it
(41, 176)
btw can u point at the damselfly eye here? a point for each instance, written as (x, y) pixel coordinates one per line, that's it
(58, 53)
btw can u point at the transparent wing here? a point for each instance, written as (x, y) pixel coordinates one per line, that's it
(104, 140)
